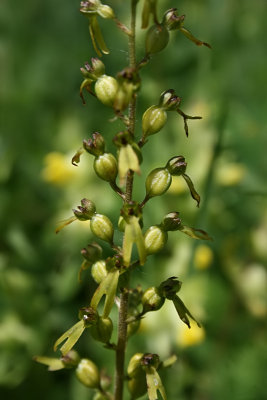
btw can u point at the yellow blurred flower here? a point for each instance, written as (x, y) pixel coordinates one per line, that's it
(203, 257)
(231, 174)
(190, 337)
(58, 169)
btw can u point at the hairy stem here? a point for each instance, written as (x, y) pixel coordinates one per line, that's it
(123, 308)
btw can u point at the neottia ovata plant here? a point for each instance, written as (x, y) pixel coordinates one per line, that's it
(118, 168)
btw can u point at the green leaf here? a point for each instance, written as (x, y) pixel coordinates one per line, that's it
(72, 335)
(108, 288)
(54, 364)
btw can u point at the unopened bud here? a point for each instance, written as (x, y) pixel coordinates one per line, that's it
(102, 227)
(152, 300)
(96, 145)
(158, 182)
(105, 11)
(106, 88)
(171, 221)
(85, 211)
(154, 119)
(155, 239)
(176, 165)
(157, 39)
(92, 252)
(102, 330)
(172, 20)
(170, 287)
(88, 373)
(99, 271)
(169, 101)
(106, 167)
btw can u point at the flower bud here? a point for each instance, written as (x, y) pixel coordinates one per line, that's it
(106, 88)
(92, 252)
(152, 300)
(102, 330)
(99, 271)
(172, 20)
(102, 227)
(106, 167)
(95, 71)
(85, 211)
(170, 287)
(157, 38)
(169, 101)
(89, 315)
(155, 239)
(158, 182)
(105, 11)
(176, 165)
(95, 146)
(71, 359)
(154, 119)
(171, 222)
(88, 374)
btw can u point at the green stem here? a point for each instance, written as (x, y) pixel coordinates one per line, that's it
(123, 308)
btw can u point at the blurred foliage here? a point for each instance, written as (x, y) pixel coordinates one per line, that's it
(42, 46)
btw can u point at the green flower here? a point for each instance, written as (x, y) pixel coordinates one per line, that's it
(92, 9)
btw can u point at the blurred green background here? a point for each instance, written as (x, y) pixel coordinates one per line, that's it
(43, 122)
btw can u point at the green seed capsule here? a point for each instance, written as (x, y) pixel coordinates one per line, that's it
(155, 239)
(106, 167)
(102, 227)
(154, 119)
(152, 300)
(134, 366)
(157, 39)
(99, 271)
(137, 386)
(88, 374)
(102, 330)
(106, 88)
(158, 182)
